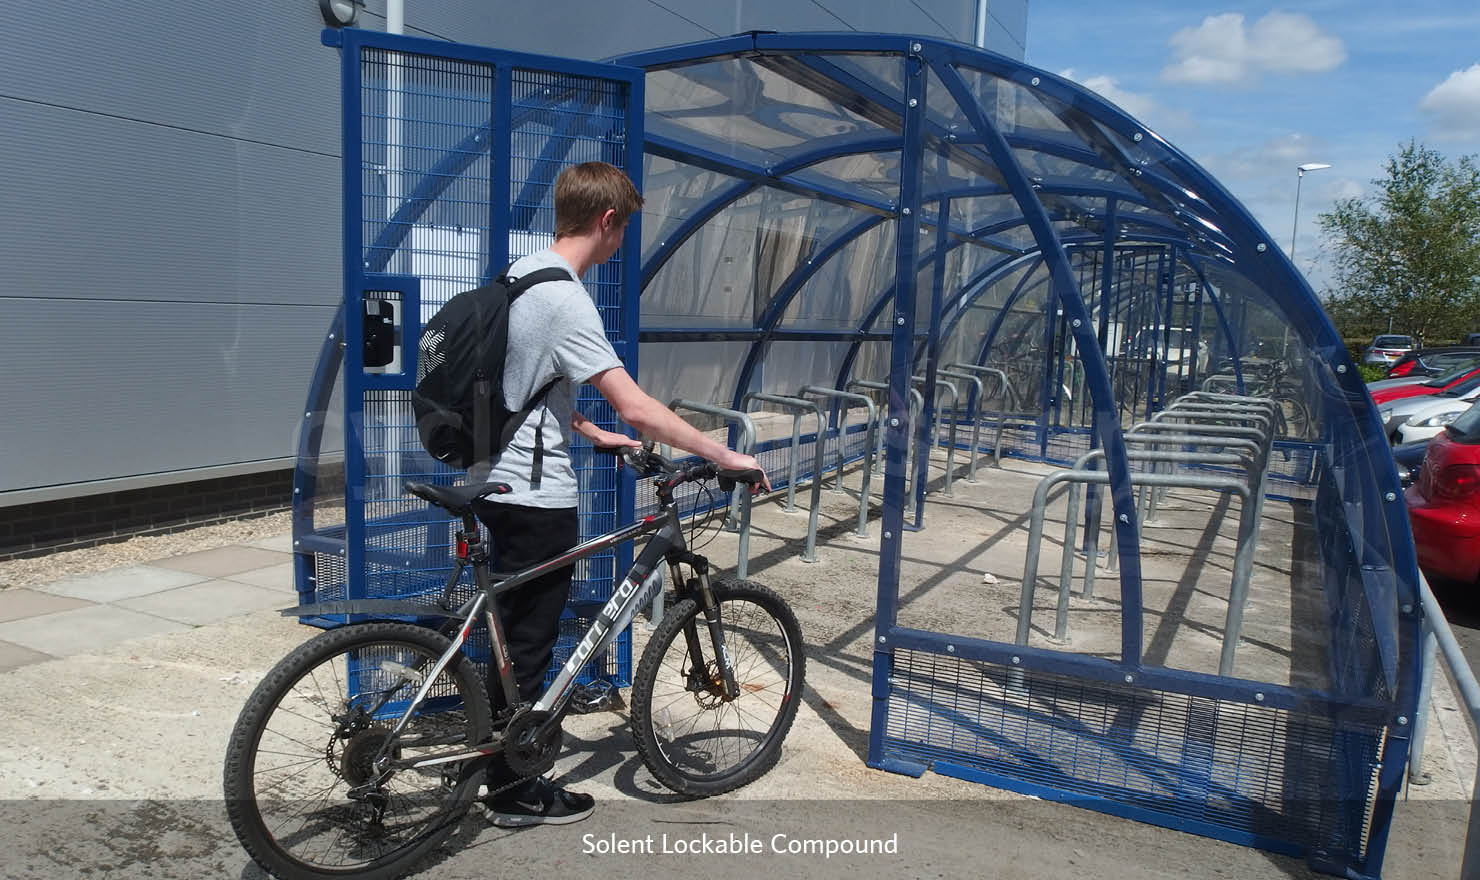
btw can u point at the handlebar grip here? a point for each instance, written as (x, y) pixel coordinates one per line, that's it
(728, 478)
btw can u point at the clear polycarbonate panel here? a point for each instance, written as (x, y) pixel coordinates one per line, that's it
(1059, 171)
(1011, 107)
(870, 175)
(673, 192)
(880, 73)
(737, 107)
(709, 281)
(872, 363)
(701, 371)
(839, 295)
(976, 212)
(790, 364)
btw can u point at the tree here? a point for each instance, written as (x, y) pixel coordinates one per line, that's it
(1410, 251)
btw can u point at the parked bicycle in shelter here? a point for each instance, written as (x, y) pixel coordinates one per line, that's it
(362, 749)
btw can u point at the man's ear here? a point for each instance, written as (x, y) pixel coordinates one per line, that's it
(608, 220)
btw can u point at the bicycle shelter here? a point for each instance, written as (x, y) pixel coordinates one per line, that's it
(838, 211)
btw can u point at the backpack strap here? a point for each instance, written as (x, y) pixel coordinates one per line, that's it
(516, 286)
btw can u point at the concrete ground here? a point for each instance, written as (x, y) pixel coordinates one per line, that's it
(123, 687)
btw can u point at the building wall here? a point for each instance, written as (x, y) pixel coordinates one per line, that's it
(173, 210)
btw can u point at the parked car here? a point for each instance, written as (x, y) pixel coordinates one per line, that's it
(1470, 339)
(1388, 393)
(1432, 361)
(1409, 458)
(1428, 419)
(1444, 502)
(1386, 349)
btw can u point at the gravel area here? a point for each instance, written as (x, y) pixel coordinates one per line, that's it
(146, 548)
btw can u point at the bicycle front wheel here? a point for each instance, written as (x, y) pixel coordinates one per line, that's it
(302, 790)
(695, 739)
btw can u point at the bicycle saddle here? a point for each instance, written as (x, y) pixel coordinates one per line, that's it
(456, 499)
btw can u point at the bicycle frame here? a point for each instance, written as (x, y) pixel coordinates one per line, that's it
(635, 590)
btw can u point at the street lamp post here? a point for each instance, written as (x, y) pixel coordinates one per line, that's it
(1300, 176)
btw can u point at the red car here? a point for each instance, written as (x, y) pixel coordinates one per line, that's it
(1444, 502)
(1433, 386)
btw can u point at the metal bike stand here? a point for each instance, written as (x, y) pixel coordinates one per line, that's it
(1243, 560)
(935, 430)
(973, 413)
(809, 552)
(882, 408)
(738, 519)
(917, 407)
(868, 445)
(1249, 454)
(1009, 399)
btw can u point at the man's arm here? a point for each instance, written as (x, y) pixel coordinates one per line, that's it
(652, 419)
(598, 436)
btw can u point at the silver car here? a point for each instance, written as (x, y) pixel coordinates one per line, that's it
(1386, 349)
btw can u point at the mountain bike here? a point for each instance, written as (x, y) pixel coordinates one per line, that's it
(361, 750)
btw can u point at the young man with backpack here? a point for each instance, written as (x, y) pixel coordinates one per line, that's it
(555, 343)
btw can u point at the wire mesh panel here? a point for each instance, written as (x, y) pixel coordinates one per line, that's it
(451, 155)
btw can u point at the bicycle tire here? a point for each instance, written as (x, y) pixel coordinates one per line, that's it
(758, 625)
(371, 652)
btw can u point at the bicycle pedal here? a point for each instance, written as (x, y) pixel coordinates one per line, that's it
(596, 696)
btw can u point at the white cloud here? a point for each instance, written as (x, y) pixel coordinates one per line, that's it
(1141, 106)
(1224, 50)
(1454, 105)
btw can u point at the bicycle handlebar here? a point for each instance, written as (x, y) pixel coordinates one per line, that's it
(648, 463)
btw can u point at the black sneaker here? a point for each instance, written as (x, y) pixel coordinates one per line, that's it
(539, 803)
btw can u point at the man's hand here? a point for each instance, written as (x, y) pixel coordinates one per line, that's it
(734, 461)
(612, 440)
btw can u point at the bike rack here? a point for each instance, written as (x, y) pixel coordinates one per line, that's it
(917, 407)
(935, 429)
(868, 447)
(1242, 565)
(798, 405)
(973, 411)
(738, 518)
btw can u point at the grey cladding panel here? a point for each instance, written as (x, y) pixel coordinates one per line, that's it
(112, 389)
(567, 28)
(112, 209)
(255, 71)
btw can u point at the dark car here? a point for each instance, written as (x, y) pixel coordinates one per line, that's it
(1432, 361)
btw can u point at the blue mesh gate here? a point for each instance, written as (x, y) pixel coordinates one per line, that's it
(450, 157)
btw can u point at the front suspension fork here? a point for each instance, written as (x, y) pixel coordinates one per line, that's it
(709, 608)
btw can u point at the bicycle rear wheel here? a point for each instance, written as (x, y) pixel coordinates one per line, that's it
(692, 737)
(299, 764)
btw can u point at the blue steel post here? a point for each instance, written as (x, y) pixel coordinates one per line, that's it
(631, 299)
(1097, 377)
(500, 171)
(907, 238)
(354, 462)
(1102, 333)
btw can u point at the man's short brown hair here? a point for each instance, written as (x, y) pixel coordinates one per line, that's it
(586, 191)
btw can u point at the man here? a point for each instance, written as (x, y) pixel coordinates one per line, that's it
(556, 334)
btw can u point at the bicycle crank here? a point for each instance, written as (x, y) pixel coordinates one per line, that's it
(527, 751)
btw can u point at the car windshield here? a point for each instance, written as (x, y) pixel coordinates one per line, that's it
(1393, 342)
(1463, 389)
(1450, 376)
(1466, 428)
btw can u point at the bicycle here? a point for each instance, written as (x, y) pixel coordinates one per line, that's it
(361, 750)
(1267, 378)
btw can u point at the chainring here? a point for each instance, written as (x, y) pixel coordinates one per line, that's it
(525, 751)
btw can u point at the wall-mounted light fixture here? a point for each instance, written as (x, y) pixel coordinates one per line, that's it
(340, 13)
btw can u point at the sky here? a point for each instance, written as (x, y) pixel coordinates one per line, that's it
(1251, 91)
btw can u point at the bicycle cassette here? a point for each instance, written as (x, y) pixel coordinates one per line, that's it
(526, 750)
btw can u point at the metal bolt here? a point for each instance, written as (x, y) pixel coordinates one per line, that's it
(899, 321)
(1402, 720)
(1138, 174)
(1406, 609)
(297, 490)
(1034, 81)
(894, 423)
(1258, 698)
(1076, 322)
(1260, 247)
(331, 335)
(1016, 660)
(882, 640)
(888, 535)
(1136, 137)
(914, 47)
(296, 543)
(914, 102)
(905, 211)
(367, 264)
(1341, 368)
(1391, 496)
(1129, 679)
(891, 681)
(308, 415)
(950, 649)
(1124, 518)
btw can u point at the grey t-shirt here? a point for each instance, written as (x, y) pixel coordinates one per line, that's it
(554, 330)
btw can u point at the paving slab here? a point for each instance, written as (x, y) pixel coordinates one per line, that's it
(200, 604)
(122, 583)
(223, 561)
(84, 630)
(281, 543)
(13, 655)
(21, 603)
(273, 577)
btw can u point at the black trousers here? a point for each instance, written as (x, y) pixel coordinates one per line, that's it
(524, 536)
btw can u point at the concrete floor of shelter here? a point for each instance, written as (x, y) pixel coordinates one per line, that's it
(111, 745)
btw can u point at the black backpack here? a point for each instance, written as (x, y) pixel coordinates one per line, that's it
(459, 397)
